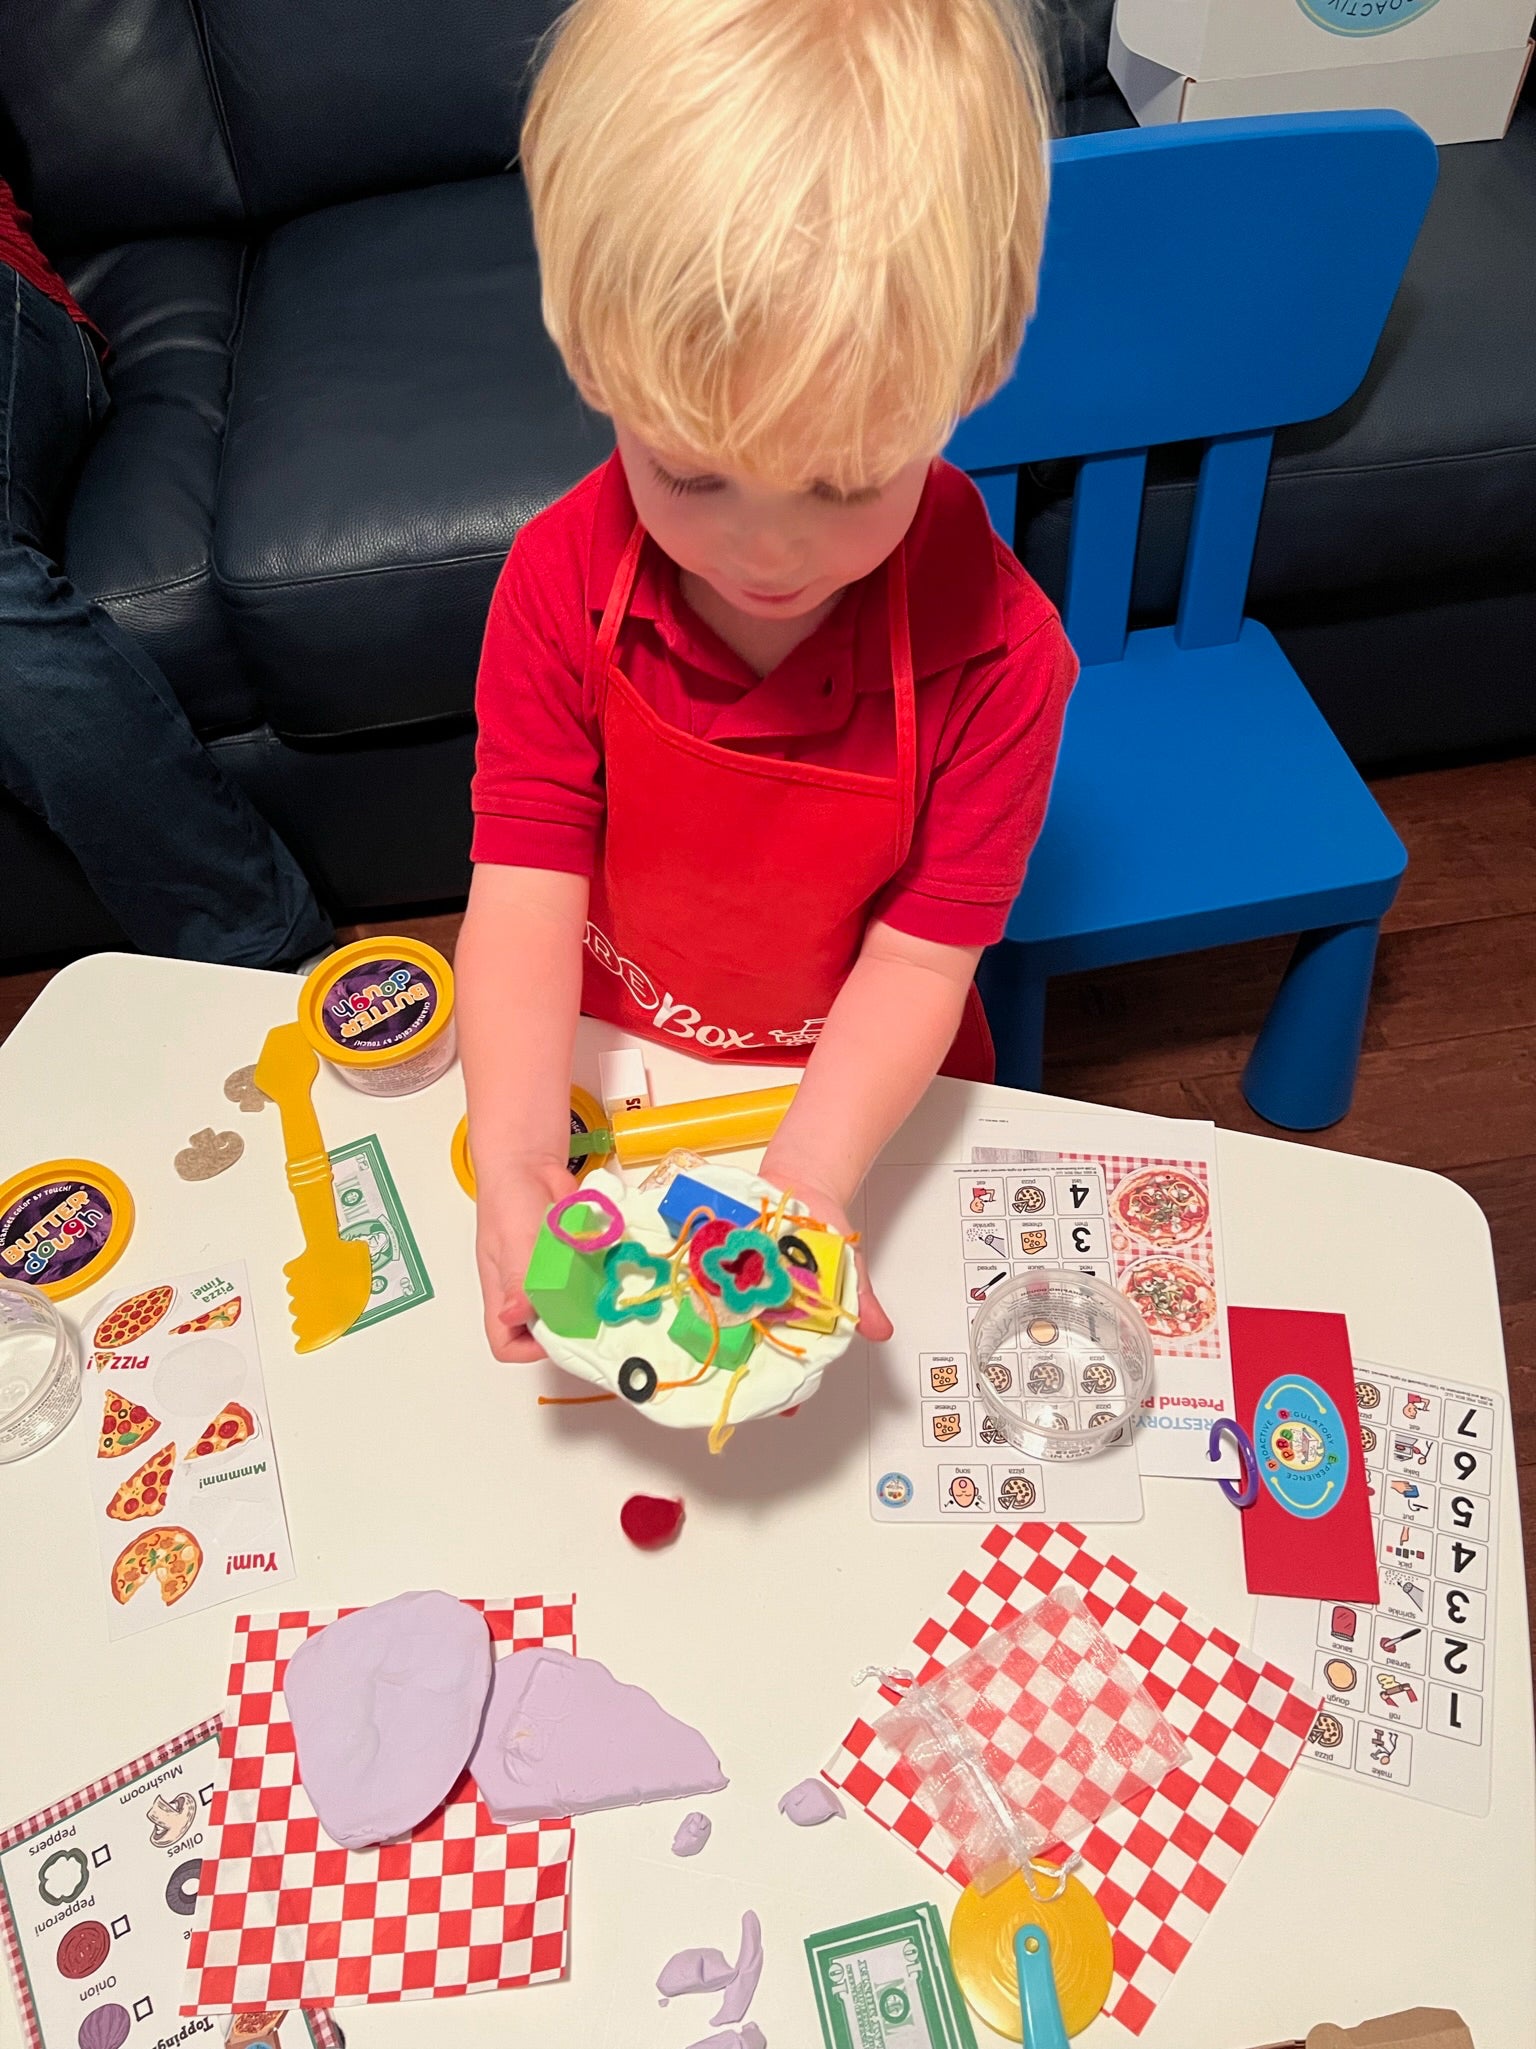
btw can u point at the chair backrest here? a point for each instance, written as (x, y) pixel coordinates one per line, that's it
(1207, 282)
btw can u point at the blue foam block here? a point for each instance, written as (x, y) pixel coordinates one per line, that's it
(686, 1195)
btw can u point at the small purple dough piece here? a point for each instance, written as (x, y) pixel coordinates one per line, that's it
(749, 2037)
(811, 1803)
(386, 1705)
(694, 1970)
(742, 1989)
(693, 1832)
(563, 1736)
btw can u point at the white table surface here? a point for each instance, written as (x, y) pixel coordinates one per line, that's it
(410, 1458)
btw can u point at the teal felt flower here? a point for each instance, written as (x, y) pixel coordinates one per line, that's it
(626, 1262)
(750, 1272)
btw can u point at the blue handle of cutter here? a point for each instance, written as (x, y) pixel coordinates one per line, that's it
(1038, 2003)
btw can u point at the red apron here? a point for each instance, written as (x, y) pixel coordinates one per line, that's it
(732, 891)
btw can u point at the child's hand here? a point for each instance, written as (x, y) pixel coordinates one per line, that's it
(508, 1214)
(873, 1321)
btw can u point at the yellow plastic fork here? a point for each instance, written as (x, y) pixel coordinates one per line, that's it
(329, 1281)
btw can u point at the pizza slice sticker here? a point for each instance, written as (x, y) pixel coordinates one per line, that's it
(125, 1426)
(231, 1426)
(222, 1318)
(145, 1491)
(128, 1322)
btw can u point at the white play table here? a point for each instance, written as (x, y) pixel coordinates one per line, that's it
(411, 1458)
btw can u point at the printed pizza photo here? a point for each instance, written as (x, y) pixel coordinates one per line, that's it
(130, 1320)
(1175, 1300)
(1162, 1206)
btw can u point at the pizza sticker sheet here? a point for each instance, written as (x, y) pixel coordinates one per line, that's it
(285, 1917)
(940, 1239)
(1159, 1863)
(184, 1485)
(1407, 1685)
(97, 1893)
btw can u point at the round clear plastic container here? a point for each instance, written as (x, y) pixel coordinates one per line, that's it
(39, 1371)
(1060, 1362)
(380, 1011)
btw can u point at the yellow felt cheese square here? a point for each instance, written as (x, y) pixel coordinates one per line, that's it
(829, 1251)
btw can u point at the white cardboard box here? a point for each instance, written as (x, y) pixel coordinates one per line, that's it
(1455, 96)
(1244, 38)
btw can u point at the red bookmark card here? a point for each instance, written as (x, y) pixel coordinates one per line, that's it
(1309, 1534)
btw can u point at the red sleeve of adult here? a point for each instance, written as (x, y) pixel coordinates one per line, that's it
(991, 782)
(537, 794)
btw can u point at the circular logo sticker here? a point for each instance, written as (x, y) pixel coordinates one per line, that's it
(379, 1005)
(894, 1490)
(1303, 1446)
(54, 1231)
(1363, 17)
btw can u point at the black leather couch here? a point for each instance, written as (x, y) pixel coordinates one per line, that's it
(300, 224)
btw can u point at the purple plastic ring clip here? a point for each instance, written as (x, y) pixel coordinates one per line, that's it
(586, 1198)
(1247, 1494)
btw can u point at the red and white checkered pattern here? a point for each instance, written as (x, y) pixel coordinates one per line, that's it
(285, 1916)
(1065, 1728)
(1199, 1252)
(323, 2032)
(1157, 1866)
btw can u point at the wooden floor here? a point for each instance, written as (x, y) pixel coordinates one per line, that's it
(1446, 1081)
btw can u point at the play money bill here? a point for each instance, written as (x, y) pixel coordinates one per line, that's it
(886, 1983)
(368, 1207)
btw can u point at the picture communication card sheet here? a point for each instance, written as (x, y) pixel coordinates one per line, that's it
(1407, 1686)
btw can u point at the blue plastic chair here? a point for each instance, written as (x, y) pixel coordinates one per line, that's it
(1203, 283)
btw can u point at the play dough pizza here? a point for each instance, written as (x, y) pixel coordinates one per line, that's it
(145, 1492)
(128, 1322)
(221, 1318)
(1175, 1301)
(172, 1556)
(231, 1426)
(1162, 1206)
(124, 1426)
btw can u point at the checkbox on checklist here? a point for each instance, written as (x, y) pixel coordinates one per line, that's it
(143, 2008)
(120, 1925)
(101, 1855)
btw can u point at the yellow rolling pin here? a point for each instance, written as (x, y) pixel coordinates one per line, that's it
(717, 1124)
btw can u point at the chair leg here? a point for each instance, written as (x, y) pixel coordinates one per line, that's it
(1301, 1073)
(1013, 993)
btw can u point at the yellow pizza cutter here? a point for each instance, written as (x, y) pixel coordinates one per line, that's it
(329, 1282)
(1033, 1956)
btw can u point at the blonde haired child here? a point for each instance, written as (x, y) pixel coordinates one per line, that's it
(767, 714)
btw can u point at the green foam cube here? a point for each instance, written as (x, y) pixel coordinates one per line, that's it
(691, 1331)
(563, 1284)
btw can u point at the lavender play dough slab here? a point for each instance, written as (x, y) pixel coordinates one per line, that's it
(563, 1736)
(386, 1705)
(742, 1989)
(694, 1970)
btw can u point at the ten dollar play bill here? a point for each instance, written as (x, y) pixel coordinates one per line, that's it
(368, 1207)
(886, 1983)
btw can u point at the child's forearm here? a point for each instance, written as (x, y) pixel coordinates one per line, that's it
(518, 970)
(890, 1027)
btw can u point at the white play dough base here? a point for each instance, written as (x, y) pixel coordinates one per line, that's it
(770, 1381)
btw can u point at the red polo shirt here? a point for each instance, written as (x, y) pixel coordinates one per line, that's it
(992, 665)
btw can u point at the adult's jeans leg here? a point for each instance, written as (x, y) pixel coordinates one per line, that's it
(92, 737)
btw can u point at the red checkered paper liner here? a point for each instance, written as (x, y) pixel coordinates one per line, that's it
(1159, 1864)
(1063, 1726)
(1128, 1250)
(284, 1916)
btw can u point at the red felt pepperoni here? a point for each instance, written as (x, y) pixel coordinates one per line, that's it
(651, 1520)
(712, 1232)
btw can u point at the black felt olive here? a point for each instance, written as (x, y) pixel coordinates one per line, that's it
(637, 1380)
(797, 1252)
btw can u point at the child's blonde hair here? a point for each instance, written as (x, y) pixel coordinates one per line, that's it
(795, 238)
